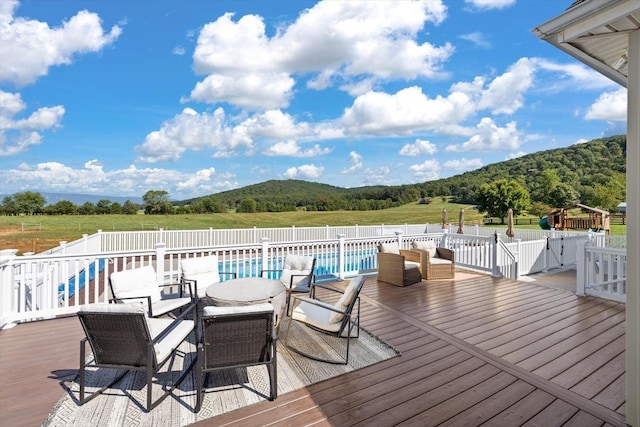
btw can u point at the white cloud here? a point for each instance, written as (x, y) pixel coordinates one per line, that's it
(379, 176)
(490, 137)
(178, 50)
(505, 94)
(417, 148)
(428, 170)
(355, 160)
(571, 76)
(292, 149)
(462, 165)
(92, 178)
(511, 156)
(331, 43)
(34, 47)
(192, 131)
(610, 106)
(304, 172)
(581, 141)
(17, 135)
(379, 113)
(491, 4)
(476, 38)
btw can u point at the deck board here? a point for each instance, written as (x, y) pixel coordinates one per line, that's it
(474, 351)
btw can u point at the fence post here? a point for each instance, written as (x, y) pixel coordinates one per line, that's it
(6, 286)
(160, 251)
(545, 259)
(399, 237)
(581, 263)
(357, 232)
(293, 233)
(63, 247)
(341, 256)
(517, 262)
(85, 238)
(495, 268)
(265, 253)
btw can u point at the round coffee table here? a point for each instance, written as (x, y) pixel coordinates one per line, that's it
(247, 291)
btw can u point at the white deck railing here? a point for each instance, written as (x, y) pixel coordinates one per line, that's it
(37, 286)
(602, 272)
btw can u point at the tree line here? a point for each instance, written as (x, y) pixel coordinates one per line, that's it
(592, 173)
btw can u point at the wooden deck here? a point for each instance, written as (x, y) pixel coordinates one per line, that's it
(475, 351)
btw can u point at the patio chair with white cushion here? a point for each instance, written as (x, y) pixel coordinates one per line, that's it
(399, 267)
(296, 274)
(201, 272)
(439, 263)
(122, 336)
(234, 337)
(141, 285)
(337, 319)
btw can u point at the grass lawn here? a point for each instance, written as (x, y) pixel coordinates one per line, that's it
(39, 233)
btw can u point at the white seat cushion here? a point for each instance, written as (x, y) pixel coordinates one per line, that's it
(212, 310)
(439, 261)
(428, 246)
(138, 282)
(298, 268)
(346, 299)
(204, 270)
(315, 315)
(391, 248)
(167, 305)
(165, 346)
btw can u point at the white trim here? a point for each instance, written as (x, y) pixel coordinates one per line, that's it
(633, 233)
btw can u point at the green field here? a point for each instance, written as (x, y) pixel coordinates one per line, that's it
(39, 233)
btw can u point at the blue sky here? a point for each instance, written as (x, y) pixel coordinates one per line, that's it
(197, 97)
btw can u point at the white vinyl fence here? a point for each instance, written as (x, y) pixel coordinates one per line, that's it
(38, 286)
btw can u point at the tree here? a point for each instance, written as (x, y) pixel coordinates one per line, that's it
(9, 206)
(498, 197)
(155, 202)
(103, 207)
(539, 209)
(63, 207)
(87, 208)
(247, 206)
(129, 208)
(563, 196)
(29, 202)
(609, 195)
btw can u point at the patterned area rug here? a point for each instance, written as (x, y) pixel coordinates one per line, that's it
(226, 390)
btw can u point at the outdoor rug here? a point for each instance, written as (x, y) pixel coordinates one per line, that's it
(226, 390)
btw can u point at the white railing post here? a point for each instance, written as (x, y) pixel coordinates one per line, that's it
(545, 258)
(255, 234)
(581, 276)
(265, 253)
(293, 233)
(100, 242)
(210, 236)
(341, 256)
(85, 238)
(63, 247)
(160, 251)
(327, 230)
(399, 237)
(357, 232)
(495, 268)
(6, 286)
(517, 258)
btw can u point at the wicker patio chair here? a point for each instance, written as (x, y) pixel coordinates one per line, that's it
(141, 285)
(336, 319)
(199, 273)
(399, 267)
(296, 275)
(122, 336)
(440, 263)
(234, 337)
